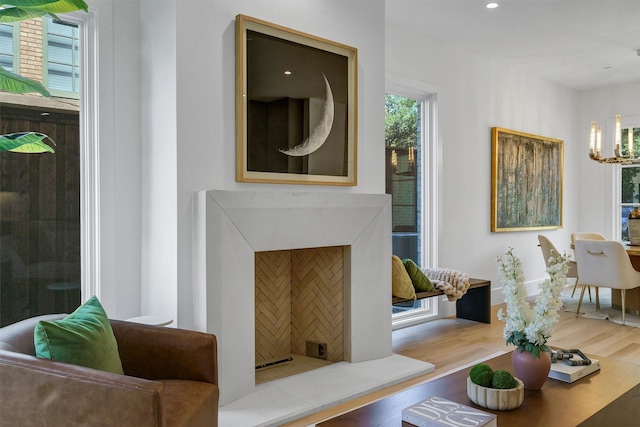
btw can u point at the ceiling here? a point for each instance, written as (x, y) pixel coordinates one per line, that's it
(579, 44)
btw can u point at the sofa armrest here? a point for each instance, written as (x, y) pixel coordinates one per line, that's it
(156, 353)
(41, 391)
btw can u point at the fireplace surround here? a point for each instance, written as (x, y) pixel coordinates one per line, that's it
(231, 226)
(299, 305)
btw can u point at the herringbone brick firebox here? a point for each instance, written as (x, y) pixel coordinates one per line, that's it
(299, 298)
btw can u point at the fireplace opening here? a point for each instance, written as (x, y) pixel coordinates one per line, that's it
(299, 310)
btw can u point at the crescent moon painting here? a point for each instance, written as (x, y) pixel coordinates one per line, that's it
(296, 106)
(320, 133)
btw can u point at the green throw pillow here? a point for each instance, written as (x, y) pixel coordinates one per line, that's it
(400, 281)
(83, 338)
(420, 280)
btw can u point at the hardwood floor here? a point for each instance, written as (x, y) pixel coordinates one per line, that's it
(450, 343)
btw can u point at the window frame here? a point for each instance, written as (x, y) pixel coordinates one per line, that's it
(89, 161)
(429, 183)
(89, 151)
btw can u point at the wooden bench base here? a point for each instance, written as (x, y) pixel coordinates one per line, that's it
(474, 305)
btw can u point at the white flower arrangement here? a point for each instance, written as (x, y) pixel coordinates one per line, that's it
(526, 327)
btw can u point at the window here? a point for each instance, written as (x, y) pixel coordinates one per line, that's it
(407, 124)
(40, 217)
(60, 57)
(42, 242)
(402, 142)
(8, 52)
(629, 182)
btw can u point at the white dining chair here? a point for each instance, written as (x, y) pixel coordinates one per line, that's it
(548, 251)
(586, 235)
(605, 263)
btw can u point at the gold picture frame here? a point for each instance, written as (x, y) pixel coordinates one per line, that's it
(296, 106)
(526, 181)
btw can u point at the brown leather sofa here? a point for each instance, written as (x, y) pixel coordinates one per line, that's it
(171, 379)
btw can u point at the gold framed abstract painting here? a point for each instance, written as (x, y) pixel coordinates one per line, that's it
(526, 181)
(296, 106)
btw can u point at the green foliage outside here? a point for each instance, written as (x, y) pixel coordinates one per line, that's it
(401, 121)
(25, 142)
(629, 175)
(628, 187)
(15, 11)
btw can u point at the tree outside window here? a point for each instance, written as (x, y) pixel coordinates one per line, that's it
(629, 183)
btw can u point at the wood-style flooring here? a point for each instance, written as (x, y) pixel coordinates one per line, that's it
(451, 343)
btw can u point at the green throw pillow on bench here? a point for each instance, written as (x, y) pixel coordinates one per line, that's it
(401, 285)
(83, 338)
(420, 281)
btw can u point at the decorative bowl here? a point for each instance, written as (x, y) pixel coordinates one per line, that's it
(496, 398)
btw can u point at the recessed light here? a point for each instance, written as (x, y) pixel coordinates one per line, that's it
(492, 5)
(287, 73)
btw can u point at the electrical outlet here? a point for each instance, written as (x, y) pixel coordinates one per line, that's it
(317, 349)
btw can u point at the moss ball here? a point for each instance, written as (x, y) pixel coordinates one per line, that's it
(503, 379)
(481, 374)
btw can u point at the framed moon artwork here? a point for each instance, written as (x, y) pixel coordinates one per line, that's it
(296, 106)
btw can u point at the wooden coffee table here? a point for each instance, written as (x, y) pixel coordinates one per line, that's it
(609, 397)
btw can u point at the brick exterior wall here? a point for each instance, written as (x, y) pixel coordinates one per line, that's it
(31, 49)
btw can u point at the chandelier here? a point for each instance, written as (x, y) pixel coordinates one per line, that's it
(595, 146)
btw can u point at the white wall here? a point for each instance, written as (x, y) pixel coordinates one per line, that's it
(474, 95)
(119, 157)
(179, 55)
(159, 168)
(195, 48)
(597, 202)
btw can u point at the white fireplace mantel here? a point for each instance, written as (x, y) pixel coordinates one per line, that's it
(230, 226)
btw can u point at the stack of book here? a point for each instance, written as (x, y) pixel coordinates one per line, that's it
(563, 372)
(437, 411)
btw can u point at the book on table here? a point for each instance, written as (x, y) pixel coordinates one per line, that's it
(437, 411)
(563, 372)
